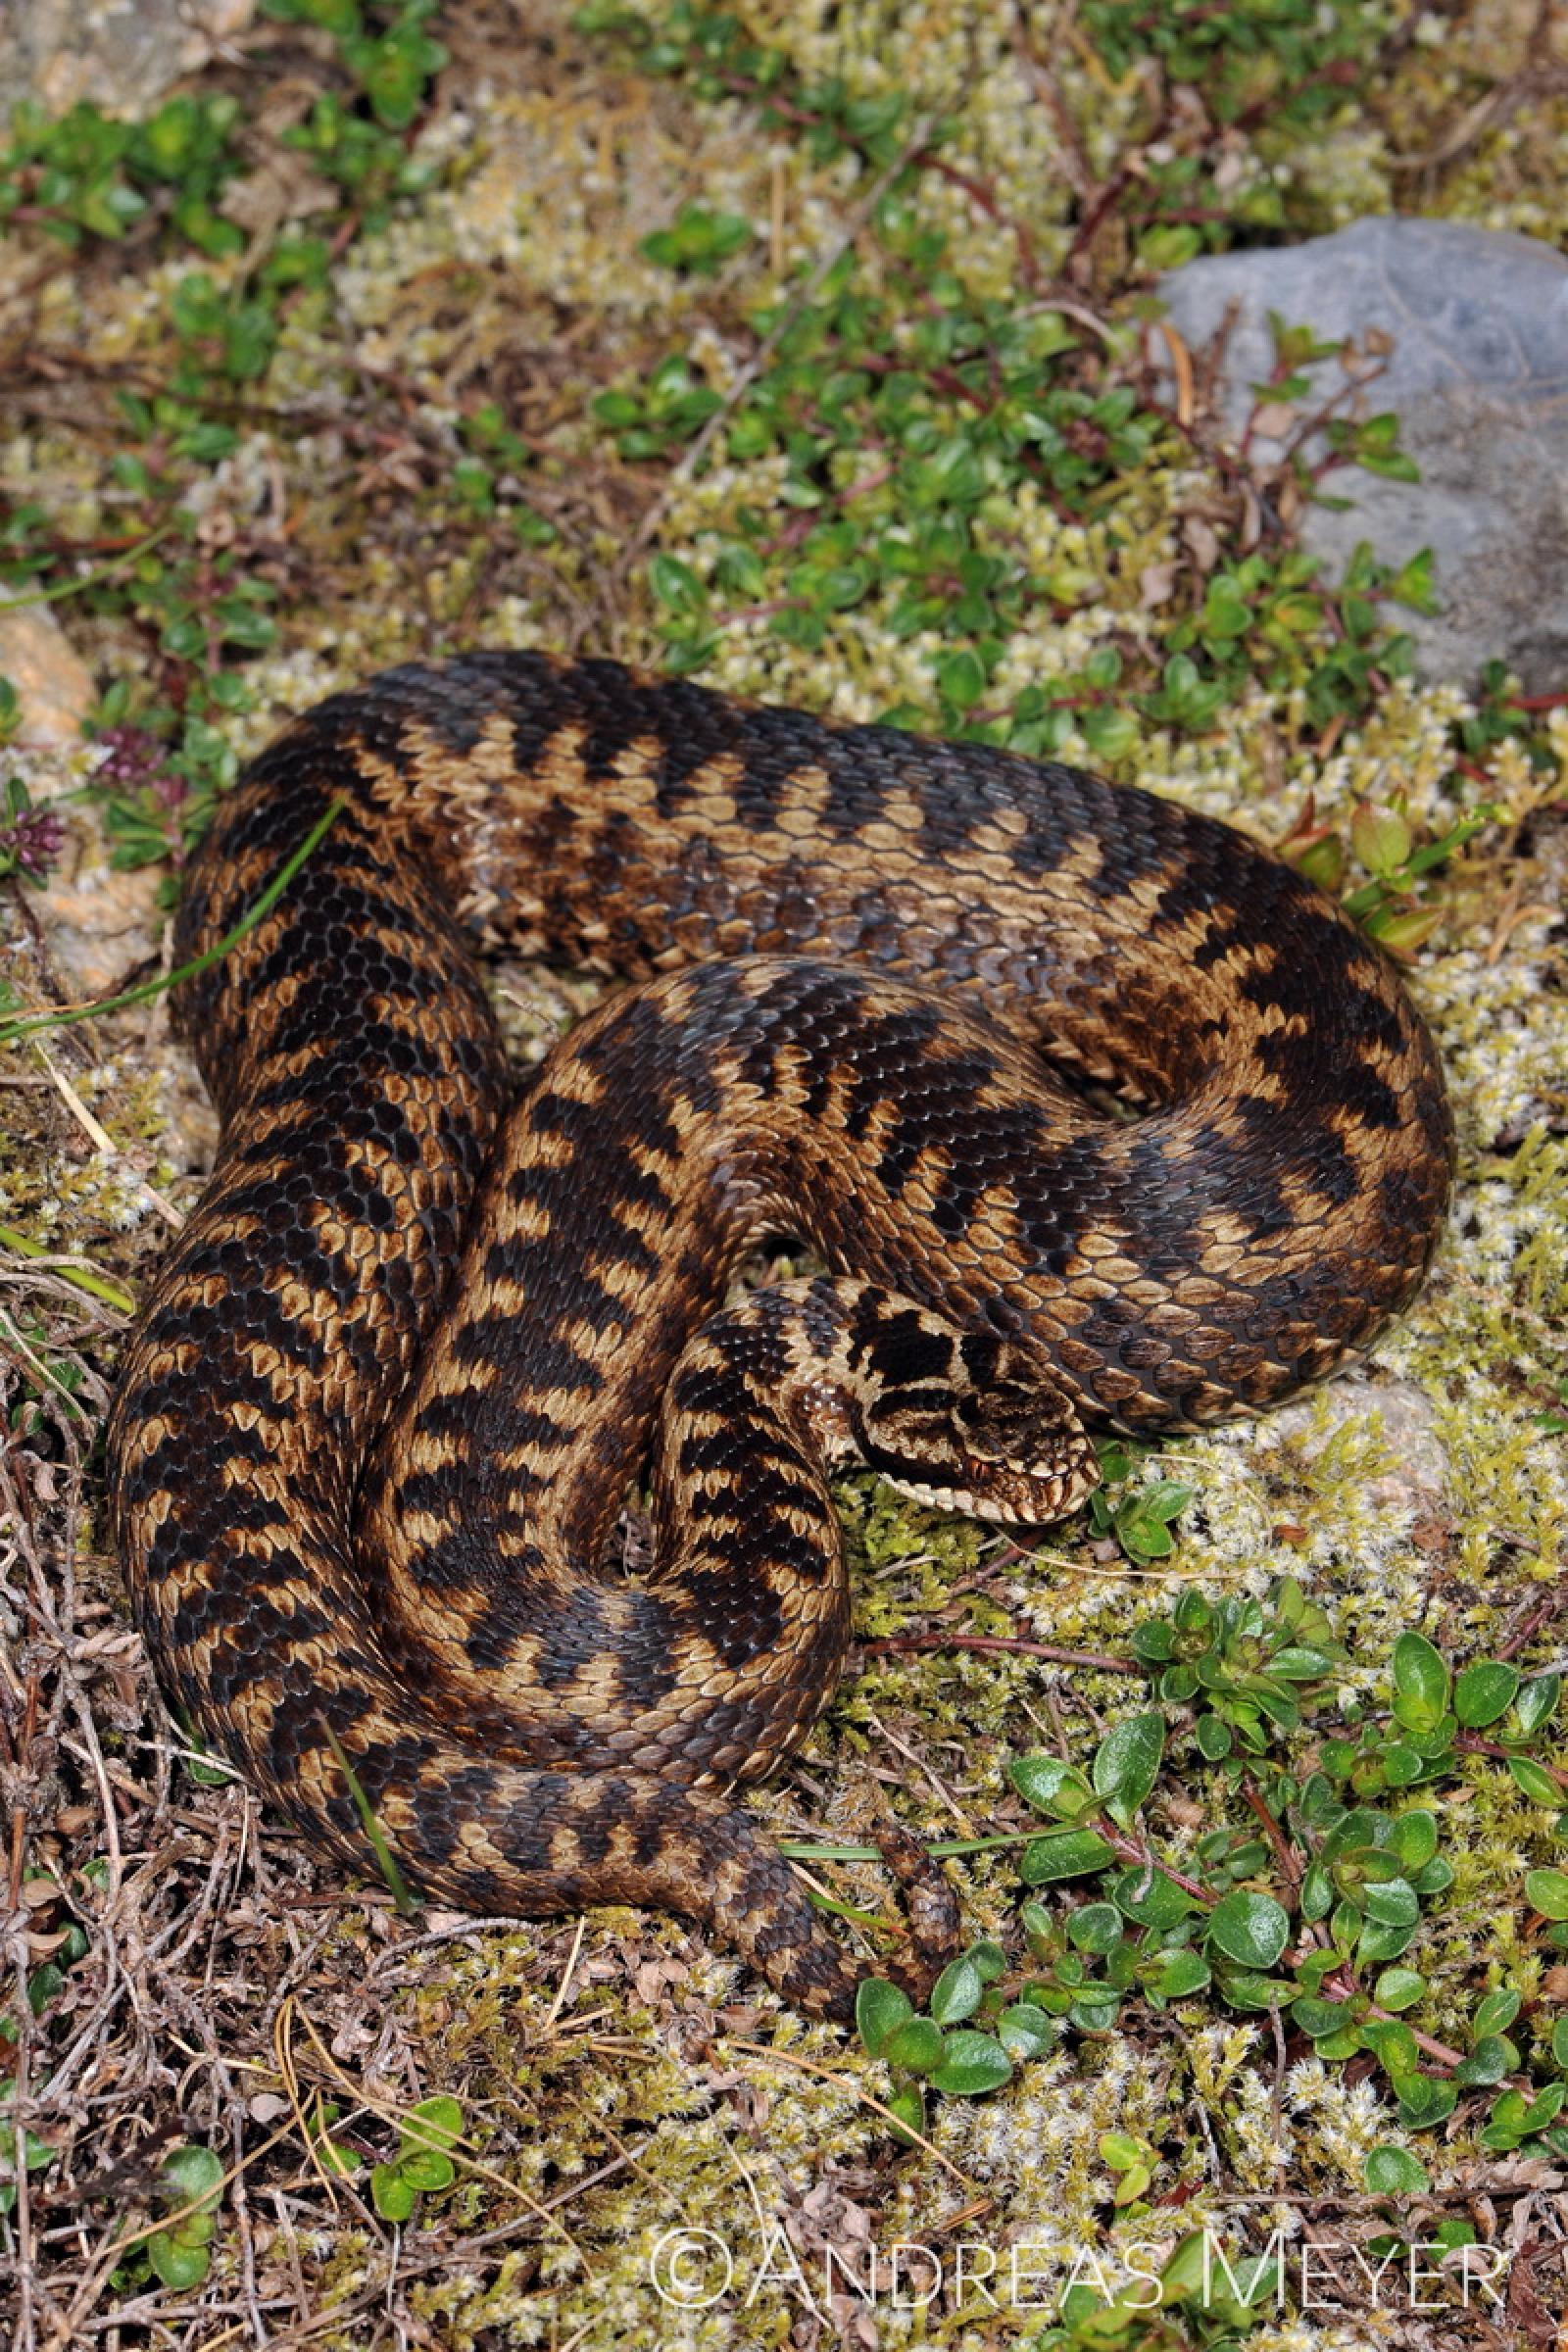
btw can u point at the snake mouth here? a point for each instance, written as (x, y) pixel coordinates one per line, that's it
(1029, 1494)
(1004, 1493)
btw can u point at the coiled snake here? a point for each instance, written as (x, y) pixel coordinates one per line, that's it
(364, 1506)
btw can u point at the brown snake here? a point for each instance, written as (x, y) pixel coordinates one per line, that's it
(363, 1506)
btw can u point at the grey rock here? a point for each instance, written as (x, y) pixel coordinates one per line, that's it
(1478, 378)
(1418, 1476)
(121, 55)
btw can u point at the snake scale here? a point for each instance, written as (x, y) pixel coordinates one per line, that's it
(399, 1374)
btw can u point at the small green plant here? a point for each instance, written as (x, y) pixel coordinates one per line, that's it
(1306, 1906)
(942, 2048)
(422, 2163)
(1433, 1711)
(1140, 1514)
(1397, 904)
(386, 49)
(1269, 615)
(1288, 55)
(18, 2148)
(181, 2253)
(1206, 2302)
(698, 240)
(89, 175)
(421, 2166)
(1243, 1663)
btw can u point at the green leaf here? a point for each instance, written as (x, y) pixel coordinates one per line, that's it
(1399, 1988)
(392, 2192)
(1318, 2019)
(674, 583)
(181, 2256)
(1097, 1928)
(1537, 1701)
(1536, 1781)
(1546, 2106)
(1496, 2013)
(1151, 1899)
(1425, 2101)
(880, 2009)
(972, 2063)
(1066, 1854)
(1143, 1519)
(1391, 1902)
(1546, 1891)
(1246, 1989)
(1127, 1764)
(915, 2048)
(1249, 1926)
(957, 1993)
(962, 678)
(1300, 1664)
(1049, 1785)
(1415, 1839)
(1394, 464)
(192, 2174)
(1484, 1691)
(1109, 734)
(1488, 2062)
(1420, 1683)
(1175, 1976)
(1392, 2043)
(435, 2122)
(908, 2109)
(428, 2169)
(1025, 2032)
(1390, 2171)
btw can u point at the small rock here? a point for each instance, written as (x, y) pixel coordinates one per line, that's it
(53, 683)
(1417, 1479)
(1477, 377)
(104, 927)
(102, 924)
(121, 55)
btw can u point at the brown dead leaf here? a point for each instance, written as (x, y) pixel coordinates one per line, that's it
(1202, 544)
(1272, 419)
(1525, 2307)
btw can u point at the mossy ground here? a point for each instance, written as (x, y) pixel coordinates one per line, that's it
(620, 2079)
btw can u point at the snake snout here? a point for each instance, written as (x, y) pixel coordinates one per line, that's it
(1029, 1457)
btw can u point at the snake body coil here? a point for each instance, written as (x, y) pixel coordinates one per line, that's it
(363, 1503)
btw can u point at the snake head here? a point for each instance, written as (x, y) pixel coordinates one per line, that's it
(1009, 1446)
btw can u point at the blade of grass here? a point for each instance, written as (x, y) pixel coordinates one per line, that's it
(385, 1858)
(96, 1285)
(941, 1849)
(62, 1015)
(88, 579)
